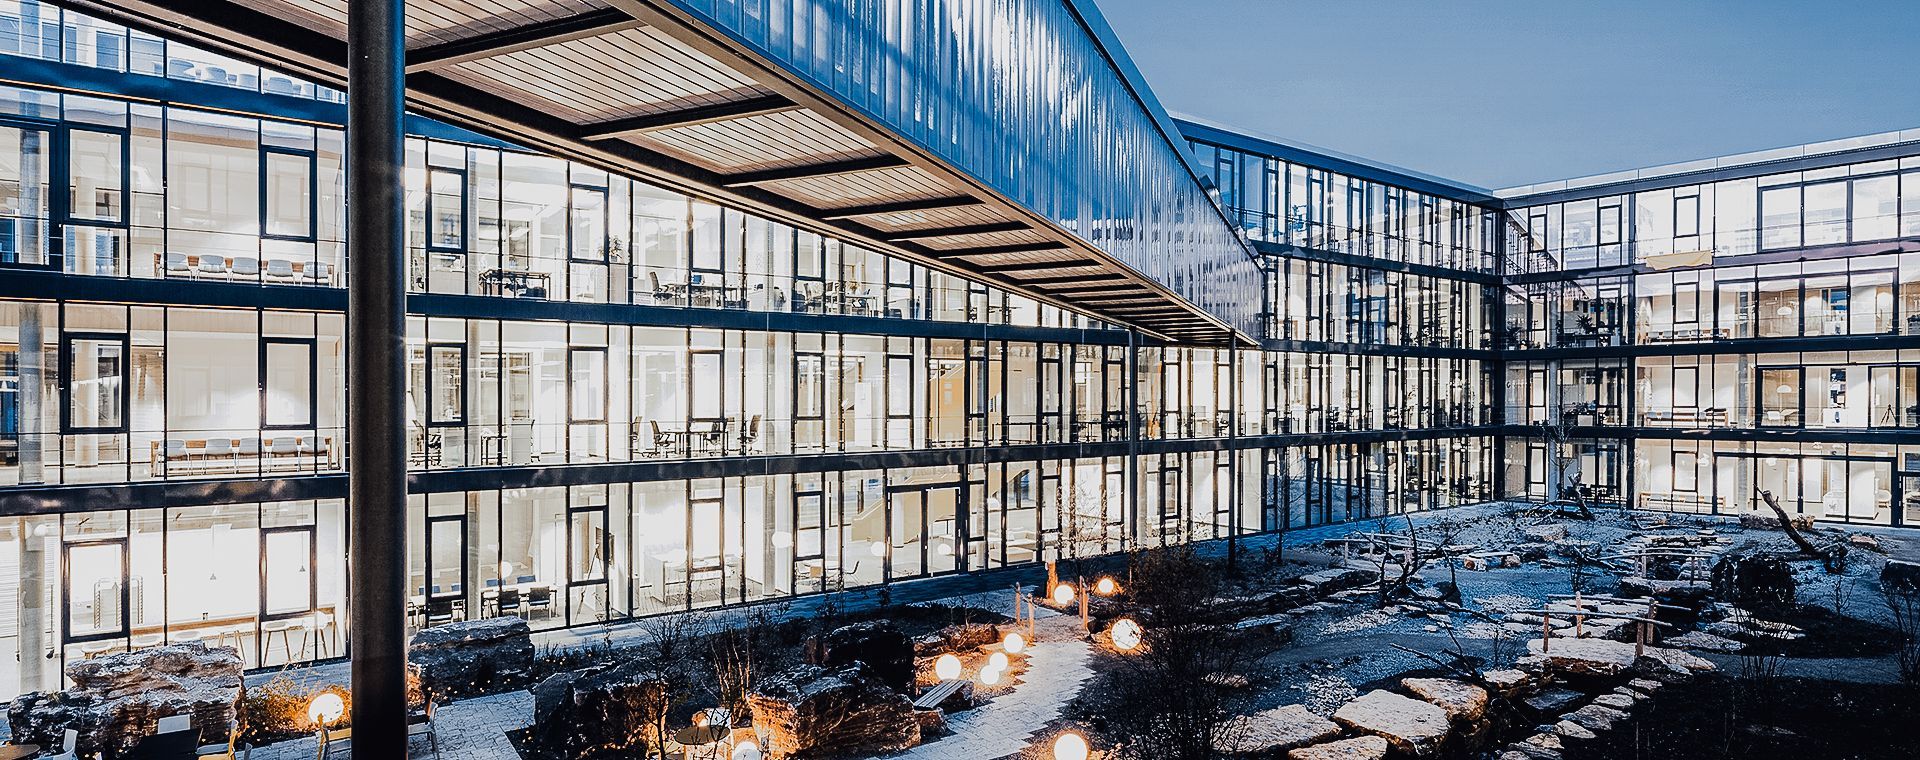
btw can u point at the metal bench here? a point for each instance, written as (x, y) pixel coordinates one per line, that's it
(941, 692)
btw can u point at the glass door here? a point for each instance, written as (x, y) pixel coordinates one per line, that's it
(446, 554)
(588, 546)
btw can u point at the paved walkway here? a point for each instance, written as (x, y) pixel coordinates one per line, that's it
(1057, 665)
(473, 729)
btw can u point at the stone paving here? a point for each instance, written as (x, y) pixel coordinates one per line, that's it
(1057, 666)
(473, 729)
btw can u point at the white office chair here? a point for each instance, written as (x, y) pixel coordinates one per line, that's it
(176, 264)
(280, 269)
(68, 744)
(246, 266)
(320, 272)
(211, 265)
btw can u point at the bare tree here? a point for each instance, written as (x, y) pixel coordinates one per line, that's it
(1169, 699)
(1903, 600)
(1833, 558)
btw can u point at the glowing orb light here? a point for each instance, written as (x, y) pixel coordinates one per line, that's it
(1063, 595)
(1106, 586)
(1014, 642)
(1070, 747)
(991, 675)
(326, 708)
(1126, 634)
(947, 667)
(997, 660)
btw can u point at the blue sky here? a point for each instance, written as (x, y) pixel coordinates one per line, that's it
(1505, 92)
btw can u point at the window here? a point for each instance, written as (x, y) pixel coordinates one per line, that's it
(289, 191)
(286, 366)
(96, 176)
(446, 210)
(587, 237)
(23, 195)
(446, 377)
(1610, 225)
(1686, 216)
(1686, 471)
(1537, 231)
(1876, 207)
(96, 371)
(1826, 213)
(1780, 217)
(587, 370)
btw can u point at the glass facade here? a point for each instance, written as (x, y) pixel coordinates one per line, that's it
(1702, 343)
(624, 400)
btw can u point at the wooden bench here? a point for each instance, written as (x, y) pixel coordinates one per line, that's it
(941, 692)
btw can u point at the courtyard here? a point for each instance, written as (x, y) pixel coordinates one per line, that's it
(1508, 631)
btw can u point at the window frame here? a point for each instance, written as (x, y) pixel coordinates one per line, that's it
(313, 382)
(67, 339)
(313, 193)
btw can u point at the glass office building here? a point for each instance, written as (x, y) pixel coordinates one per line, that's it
(630, 394)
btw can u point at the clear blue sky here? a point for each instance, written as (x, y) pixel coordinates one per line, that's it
(1504, 92)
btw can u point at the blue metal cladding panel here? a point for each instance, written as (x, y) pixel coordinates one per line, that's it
(1024, 96)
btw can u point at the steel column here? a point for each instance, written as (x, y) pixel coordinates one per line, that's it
(376, 374)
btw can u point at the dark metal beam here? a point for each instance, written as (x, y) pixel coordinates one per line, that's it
(995, 250)
(523, 37)
(900, 207)
(377, 374)
(1097, 288)
(687, 117)
(966, 229)
(808, 171)
(1034, 266)
(1089, 277)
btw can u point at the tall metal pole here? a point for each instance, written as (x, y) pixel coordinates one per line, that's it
(376, 373)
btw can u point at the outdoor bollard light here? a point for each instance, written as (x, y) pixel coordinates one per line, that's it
(1063, 594)
(947, 667)
(1126, 634)
(325, 709)
(1014, 642)
(1070, 746)
(1106, 586)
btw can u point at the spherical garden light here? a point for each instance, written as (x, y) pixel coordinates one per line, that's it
(1106, 586)
(326, 708)
(1014, 642)
(997, 660)
(1126, 634)
(1063, 594)
(947, 667)
(990, 675)
(1070, 746)
(746, 750)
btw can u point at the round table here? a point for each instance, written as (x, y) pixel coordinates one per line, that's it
(18, 751)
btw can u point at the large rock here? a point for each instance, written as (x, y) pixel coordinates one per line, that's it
(1597, 657)
(1413, 727)
(610, 709)
(964, 637)
(1362, 748)
(1462, 701)
(473, 656)
(1546, 534)
(1755, 581)
(1278, 730)
(1900, 577)
(1337, 579)
(1601, 657)
(885, 651)
(842, 711)
(118, 699)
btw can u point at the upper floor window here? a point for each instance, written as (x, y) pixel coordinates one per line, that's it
(96, 372)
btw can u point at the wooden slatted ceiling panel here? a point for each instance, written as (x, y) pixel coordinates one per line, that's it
(997, 259)
(634, 72)
(992, 238)
(433, 21)
(903, 184)
(939, 217)
(768, 141)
